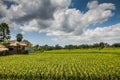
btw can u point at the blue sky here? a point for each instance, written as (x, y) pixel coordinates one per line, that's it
(63, 21)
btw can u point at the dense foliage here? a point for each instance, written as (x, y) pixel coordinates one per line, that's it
(62, 65)
(99, 46)
(19, 37)
(4, 32)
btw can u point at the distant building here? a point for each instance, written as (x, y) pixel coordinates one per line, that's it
(14, 47)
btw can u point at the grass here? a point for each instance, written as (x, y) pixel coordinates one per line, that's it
(90, 64)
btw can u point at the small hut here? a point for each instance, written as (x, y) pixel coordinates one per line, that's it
(3, 50)
(29, 46)
(16, 47)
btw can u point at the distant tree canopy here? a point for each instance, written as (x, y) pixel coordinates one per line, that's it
(99, 46)
(19, 37)
(4, 32)
(38, 48)
(58, 46)
(116, 45)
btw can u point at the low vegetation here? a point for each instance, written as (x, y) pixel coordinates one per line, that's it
(77, 64)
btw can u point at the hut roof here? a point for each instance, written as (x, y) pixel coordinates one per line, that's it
(3, 48)
(26, 42)
(16, 43)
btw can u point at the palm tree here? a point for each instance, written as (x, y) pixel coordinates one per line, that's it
(4, 32)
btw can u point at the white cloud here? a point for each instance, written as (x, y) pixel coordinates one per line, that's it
(92, 5)
(3, 9)
(109, 34)
(66, 21)
(55, 19)
(98, 12)
(73, 22)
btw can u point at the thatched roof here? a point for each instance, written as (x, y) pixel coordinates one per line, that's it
(3, 48)
(26, 42)
(16, 43)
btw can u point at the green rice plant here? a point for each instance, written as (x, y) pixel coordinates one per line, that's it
(65, 65)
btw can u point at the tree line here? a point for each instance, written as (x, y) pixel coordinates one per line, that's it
(99, 46)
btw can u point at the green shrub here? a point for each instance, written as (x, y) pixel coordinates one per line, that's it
(26, 52)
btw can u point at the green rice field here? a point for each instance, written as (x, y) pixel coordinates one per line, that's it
(79, 64)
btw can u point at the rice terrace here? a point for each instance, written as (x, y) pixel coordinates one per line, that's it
(59, 39)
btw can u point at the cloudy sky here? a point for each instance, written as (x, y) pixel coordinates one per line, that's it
(63, 21)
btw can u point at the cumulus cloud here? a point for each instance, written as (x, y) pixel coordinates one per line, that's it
(3, 9)
(98, 12)
(73, 22)
(27, 10)
(109, 34)
(55, 18)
